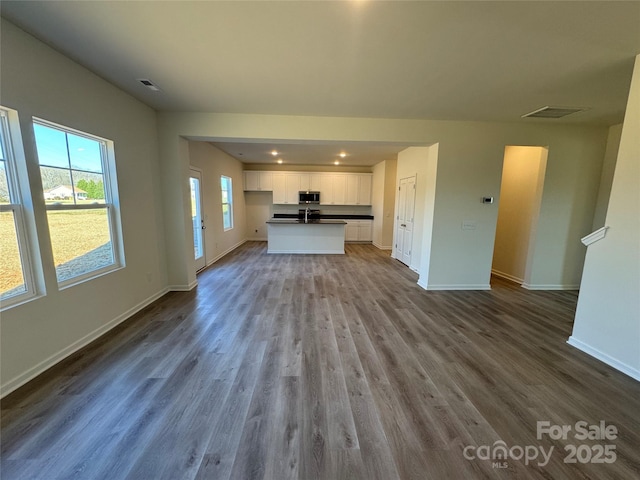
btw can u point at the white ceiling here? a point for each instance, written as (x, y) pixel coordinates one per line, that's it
(357, 154)
(476, 61)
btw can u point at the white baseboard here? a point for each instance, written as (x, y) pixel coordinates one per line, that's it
(308, 252)
(507, 276)
(18, 381)
(604, 358)
(194, 284)
(456, 287)
(183, 288)
(382, 247)
(229, 250)
(543, 286)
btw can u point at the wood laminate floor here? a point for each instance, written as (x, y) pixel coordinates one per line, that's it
(324, 367)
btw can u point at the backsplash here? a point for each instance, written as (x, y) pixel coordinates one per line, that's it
(324, 209)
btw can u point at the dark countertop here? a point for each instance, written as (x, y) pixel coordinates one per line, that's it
(297, 221)
(326, 217)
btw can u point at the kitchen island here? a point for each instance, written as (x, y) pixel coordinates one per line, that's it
(290, 235)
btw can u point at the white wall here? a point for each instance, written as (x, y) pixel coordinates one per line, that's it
(213, 163)
(518, 209)
(470, 168)
(377, 201)
(607, 323)
(383, 199)
(413, 161)
(38, 81)
(259, 207)
(431, 170)
(470, 156)
(391, 167)
(606, 178)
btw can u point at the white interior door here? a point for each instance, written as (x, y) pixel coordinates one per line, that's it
(195, 182)
(404, 220)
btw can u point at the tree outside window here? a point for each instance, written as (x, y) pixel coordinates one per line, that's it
(78, 184)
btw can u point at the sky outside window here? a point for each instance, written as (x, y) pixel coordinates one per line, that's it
(66, 150)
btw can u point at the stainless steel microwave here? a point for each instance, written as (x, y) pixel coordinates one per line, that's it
(308, 198)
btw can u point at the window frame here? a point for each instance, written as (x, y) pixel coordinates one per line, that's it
(111, 201)
(18, 190)
(229, 202)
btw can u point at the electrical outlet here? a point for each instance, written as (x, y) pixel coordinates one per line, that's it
(469, 224)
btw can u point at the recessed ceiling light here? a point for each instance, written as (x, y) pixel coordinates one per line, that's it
(336, 162)
(279, 160)
(342, 155)
(274, 153)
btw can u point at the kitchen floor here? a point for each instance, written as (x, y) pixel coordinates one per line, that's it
(325, 366)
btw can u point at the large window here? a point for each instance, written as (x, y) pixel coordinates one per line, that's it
(227, 202)
(16, 274)
(79, 191)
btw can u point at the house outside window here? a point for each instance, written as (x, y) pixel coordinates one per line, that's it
(227, 202)
(16, 267)
(80, 193)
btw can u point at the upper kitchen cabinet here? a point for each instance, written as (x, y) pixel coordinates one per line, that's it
(258, 181)
(358, 189)
(305, 182)
(315, 182)
(333, 189)
(286, 187)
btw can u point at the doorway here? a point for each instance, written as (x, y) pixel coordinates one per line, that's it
(195, 183)
(404, 220)
(520, 197)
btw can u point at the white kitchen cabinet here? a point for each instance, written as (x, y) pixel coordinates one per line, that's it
(333, 189)
(258, 181)
(358, 189)
(339, 189)
(365, 231)
(315, 182)
(352, 188)
(326, 189)
(292, 185)
(358, 231)
(305, 182)
(351, 231)
(364, 191)
(285, 188)
(279, 191)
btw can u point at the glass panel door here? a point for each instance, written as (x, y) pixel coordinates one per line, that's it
(195, 182)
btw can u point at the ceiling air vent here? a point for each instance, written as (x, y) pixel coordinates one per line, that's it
(149, 84)
(552, 112)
